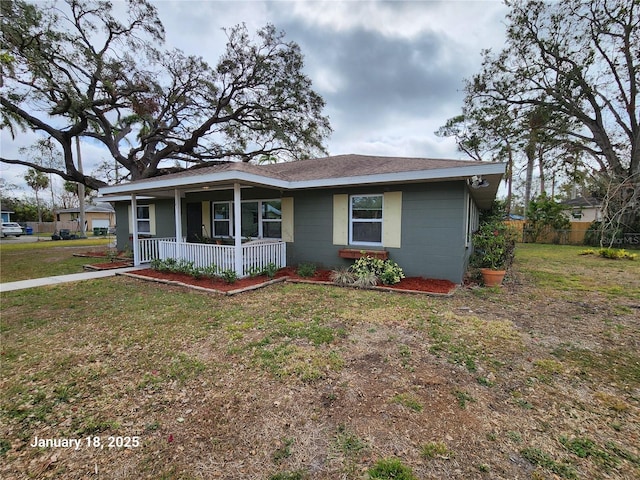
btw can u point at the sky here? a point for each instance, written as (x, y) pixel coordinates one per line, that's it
(391, 73)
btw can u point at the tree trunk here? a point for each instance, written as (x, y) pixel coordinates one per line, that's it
(530, 150)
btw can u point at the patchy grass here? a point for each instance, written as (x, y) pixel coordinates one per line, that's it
(43, 259)
(538, 379)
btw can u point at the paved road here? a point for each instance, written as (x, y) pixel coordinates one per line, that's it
(24, 239)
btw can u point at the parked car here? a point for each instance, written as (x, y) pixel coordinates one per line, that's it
(11, 228)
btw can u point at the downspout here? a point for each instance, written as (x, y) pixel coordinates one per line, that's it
(178, 221)
(134, 229)
(237, 229)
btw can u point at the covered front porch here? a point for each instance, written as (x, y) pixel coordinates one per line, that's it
(242, 255)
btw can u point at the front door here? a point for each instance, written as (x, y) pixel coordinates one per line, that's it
(194, 222)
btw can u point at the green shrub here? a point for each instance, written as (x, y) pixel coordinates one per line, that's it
(306, 270)
(616, 254)
(229, 276)
(387, 272)
(270, 270)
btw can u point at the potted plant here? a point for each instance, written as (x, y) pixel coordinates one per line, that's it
(494, 246)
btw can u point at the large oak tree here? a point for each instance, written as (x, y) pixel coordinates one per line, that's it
(76, 69)
(565, 87)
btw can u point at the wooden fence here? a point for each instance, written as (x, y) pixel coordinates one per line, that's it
(574, 236)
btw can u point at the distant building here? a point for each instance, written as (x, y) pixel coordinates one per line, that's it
(6, 215)
(583, 209)
(101, 215)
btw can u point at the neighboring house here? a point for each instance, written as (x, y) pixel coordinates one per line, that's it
(6, 215)
(101, 215)
(583, 209)
(419, 212)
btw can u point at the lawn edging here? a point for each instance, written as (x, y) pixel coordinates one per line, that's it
(283, 279)
(203, 289)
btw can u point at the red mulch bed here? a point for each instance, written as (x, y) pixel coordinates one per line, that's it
(210, 283)
(416, 284)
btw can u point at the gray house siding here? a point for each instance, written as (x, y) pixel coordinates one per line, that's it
(433, 234)
(432, 237)
(164, 221)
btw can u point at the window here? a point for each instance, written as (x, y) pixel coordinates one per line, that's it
(250, 221)
(472, 221)
(143, 216)
(272, 219)
(365, 213)
(222, 219)
(259, 219)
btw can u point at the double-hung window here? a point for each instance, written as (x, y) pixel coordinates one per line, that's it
(262, 219)
(222, 219)
(271, 219)
(365, 214)
(143, 216)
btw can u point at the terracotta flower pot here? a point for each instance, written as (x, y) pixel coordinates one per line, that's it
(491, 277)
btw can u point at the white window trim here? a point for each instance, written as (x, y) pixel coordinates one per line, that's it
(214, 220)
(260, 218)
(471, 220)
(369, 220)
(151, 219)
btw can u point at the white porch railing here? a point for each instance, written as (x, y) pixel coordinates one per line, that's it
(149, 248)
(256, 255)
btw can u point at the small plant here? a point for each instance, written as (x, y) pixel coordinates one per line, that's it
(616, 254)
(365, 280)
(538, 457)
(270, 270)
(255, 271)
(306, 270)
(407, 401)
(390, 469)
(295, 475)
(112, 255)
(434, 449)
(463, 398)
(585, 447)
(343, 277)
(283, 451)
(348, 442)
(588, 251)
(229, 276)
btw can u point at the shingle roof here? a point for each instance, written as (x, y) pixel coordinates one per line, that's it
(338, 166)
(351, 165)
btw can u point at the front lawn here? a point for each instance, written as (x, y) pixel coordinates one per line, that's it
(44, 259)
(539, 379)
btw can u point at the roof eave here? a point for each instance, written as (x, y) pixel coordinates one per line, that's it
(222, 178)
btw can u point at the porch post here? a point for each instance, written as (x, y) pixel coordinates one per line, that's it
(178, 220)
(134, 230)
(237, 228)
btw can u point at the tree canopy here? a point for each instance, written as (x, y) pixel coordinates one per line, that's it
(74, 69)
(566, 83)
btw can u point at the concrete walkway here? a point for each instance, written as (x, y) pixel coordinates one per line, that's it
(75, 277)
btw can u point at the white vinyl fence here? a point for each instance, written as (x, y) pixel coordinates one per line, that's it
(256, 255)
